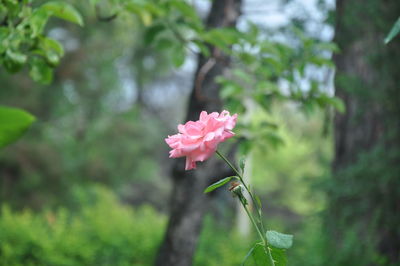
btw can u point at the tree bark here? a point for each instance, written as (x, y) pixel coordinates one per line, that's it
(360, 127)
(367, 80)
(189, 203)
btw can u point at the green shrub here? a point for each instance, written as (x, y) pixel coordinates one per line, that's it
(103, 233)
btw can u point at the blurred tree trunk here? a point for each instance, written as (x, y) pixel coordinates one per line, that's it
(188, 203)
(365, 197)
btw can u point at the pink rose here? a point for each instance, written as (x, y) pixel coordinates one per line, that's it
(199, 140)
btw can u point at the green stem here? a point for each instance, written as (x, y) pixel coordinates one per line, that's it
(253, 221)
(262, 236)
(247, 189)
(230, 165)
(262, 232)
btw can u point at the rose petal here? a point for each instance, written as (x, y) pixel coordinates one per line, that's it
(198, 140)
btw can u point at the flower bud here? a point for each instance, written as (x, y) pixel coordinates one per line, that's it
(237, 189)
(233, 185)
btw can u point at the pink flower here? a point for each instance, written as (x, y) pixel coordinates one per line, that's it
(199, 140)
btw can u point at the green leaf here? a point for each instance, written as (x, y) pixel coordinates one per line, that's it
(202, 47)
(14, 61)
(52, 50)
(4, 32)
(16, 57)
(142, 12)
(52, 58)
(184, 8)
(40, 71)
(51, 44)
(279, 240)
(219, 184)
(178, 56)
(248, 255)
(393, 32)
(242, 163)
(221, 38)
(338, 104)
(152, 32)
(244, 76)
(38, 21)
(230, 90)
(13, 123)
(188, 11)
(279, 256)
(258, 203)
(324, 100)
(165, 43)
(64, 11)
(257, 257)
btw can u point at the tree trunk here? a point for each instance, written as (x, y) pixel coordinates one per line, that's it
(189, 204)
(367, 136)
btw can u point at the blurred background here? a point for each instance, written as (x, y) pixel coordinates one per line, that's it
(317, 96)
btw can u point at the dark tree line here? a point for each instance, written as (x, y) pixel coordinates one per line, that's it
(364, 199)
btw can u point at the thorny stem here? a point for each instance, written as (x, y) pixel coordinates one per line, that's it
(260, 228)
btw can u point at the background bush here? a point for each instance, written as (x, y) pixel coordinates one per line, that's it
(103, 231)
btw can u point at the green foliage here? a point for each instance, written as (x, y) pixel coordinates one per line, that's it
(257, 256)
(64, 11)
(277, 245)
(103, 232)
(259, 64)
(13, 124)
(360, 220)
(172, 26)
(285, 179)
(285, 174)
(88, 130)
(260, 68)
(310, 238)
(106, 150)
(279, 256)
(289, 172)
(175, 27)
(85, 137)
(23, 39)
